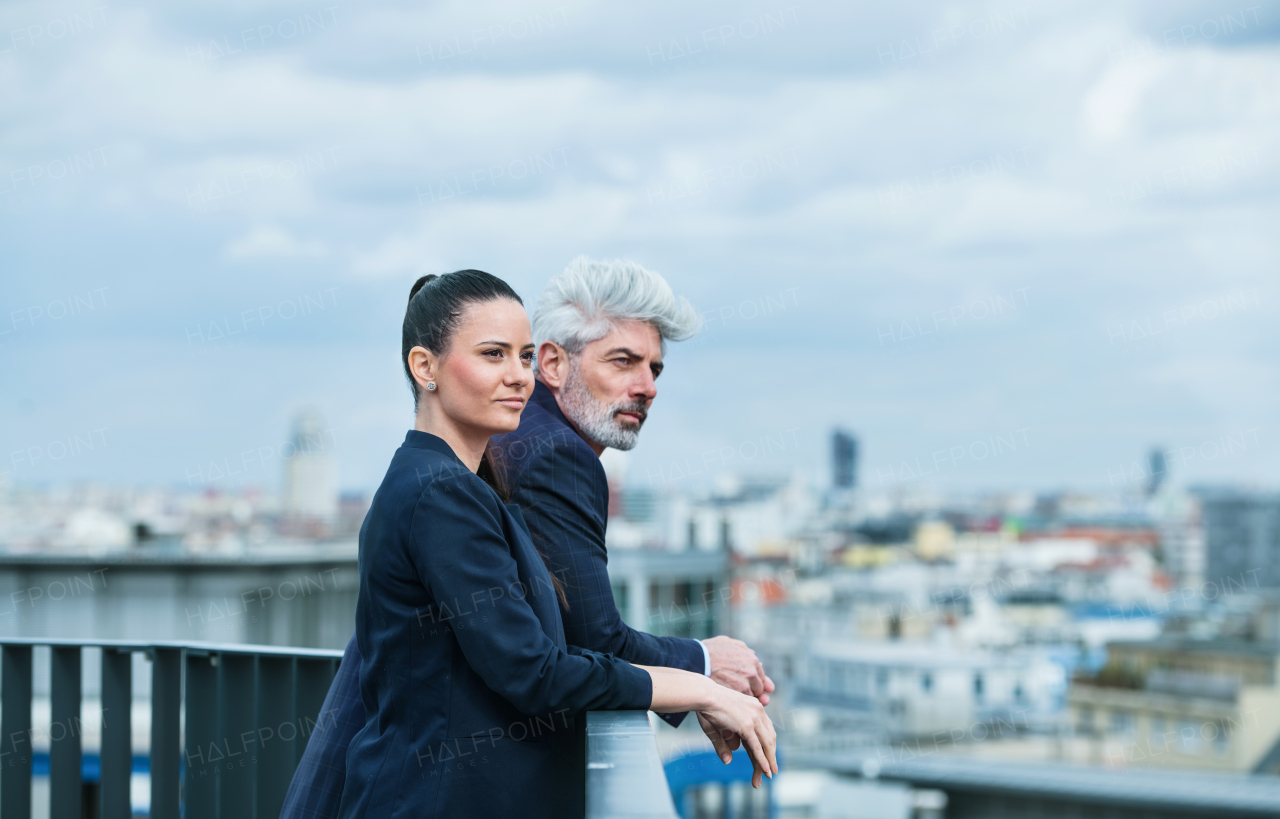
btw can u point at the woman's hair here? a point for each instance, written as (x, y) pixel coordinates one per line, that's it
(435, 309)
(582, 304)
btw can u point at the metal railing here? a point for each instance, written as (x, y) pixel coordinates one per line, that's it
(219, 719)
(624, 771)
(228, 726)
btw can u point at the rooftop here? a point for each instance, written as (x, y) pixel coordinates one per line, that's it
(917, 654)
(1229, 794)
(1188, 645)
(282, 555)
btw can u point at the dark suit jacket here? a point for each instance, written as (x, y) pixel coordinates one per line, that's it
(561, 488)
(469, 688)
(560, 485)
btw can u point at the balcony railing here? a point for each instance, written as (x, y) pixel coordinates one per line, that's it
(228, 726)
(624, 772)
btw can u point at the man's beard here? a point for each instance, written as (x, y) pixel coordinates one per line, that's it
(599, 422)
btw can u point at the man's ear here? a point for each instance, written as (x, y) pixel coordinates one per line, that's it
(553, 364)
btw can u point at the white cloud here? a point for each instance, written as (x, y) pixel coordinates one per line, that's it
(347, 145)
(266, 241)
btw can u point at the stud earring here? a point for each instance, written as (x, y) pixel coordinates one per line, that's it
(431, 386)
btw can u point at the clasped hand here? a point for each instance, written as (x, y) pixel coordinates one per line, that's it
(737, 720)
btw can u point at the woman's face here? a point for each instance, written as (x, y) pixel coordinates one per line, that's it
(483, 382)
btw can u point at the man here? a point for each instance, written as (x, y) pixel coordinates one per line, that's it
(601, 330)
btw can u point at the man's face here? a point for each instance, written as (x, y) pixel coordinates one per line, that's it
(610, 384)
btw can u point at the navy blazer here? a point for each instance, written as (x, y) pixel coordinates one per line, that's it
(561, 488)
(469, 688)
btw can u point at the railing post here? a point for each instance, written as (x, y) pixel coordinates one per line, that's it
(278, 731)
(200, 795)
(166, 703)
(236, 696)
(116, 752)
(15, 731)
(312, 681)
(65, 786)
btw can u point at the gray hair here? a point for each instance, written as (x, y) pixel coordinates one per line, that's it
(583, 303)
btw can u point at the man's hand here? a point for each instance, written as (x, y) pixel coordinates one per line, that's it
(734, 665)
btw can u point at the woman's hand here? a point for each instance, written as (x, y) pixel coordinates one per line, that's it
(735, 719)
(725, 742)
(729, 719)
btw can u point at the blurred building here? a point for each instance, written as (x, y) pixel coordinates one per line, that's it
(1176, 515)
(919, 689)
(960, 788)
(844, 460)
(1157, 471)
(352, 507)
(310, 470)
(1193, 703)
(677, 594)
(1242, 537)
(285, 596)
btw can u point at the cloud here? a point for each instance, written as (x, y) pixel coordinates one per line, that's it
(886, 162)
(266, 241)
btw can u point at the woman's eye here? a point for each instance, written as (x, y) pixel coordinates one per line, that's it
(493, 353)
(527, 357)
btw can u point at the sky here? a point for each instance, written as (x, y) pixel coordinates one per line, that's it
(1009, 245)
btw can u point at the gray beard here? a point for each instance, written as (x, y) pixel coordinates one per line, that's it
(598, 422)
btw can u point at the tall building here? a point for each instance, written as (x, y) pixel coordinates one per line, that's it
(310, 472)
(1157, 471)
(844, 460)
(1176, 515)
(1242, 538)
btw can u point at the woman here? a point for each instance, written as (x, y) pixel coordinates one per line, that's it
(469, 689)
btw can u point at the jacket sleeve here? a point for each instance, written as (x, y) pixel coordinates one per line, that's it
(559, 493)
(463, 559)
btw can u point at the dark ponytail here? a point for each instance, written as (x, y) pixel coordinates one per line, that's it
(436, 304)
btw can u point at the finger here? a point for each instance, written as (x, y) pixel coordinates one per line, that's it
(758, 757)
(721, 744)
(768, 685)
(764, 734)
(756, 681)
(773, 742)
(769, 741)
(755, 777)
(764, 678)
(722, 749)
